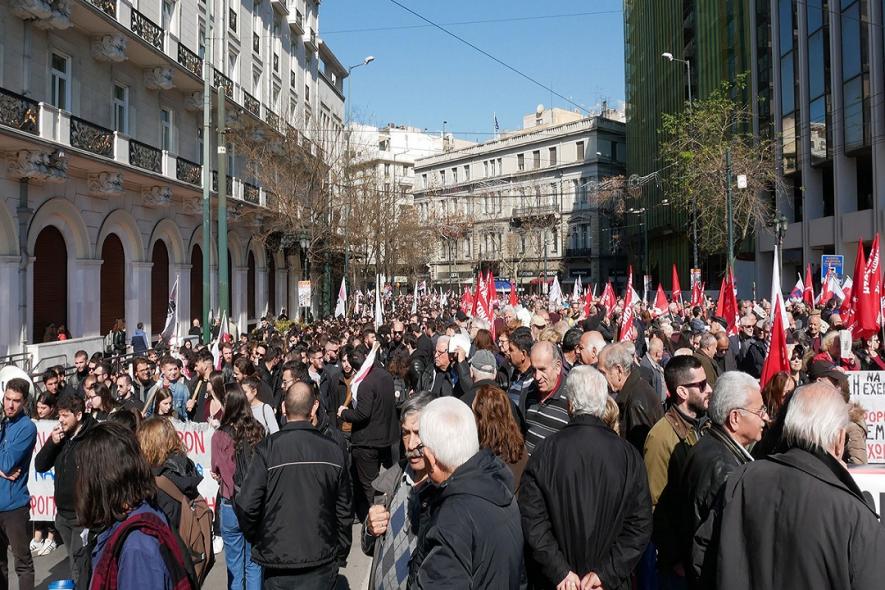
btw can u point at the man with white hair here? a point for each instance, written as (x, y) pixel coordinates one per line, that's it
(589, 347)
(441, 378)
(473, 539)
(797, 520)
(640, 407)
(738, 416)
(584, 498)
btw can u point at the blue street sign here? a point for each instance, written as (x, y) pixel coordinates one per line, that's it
(834, 261)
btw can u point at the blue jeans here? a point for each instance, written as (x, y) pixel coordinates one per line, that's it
(242, 572)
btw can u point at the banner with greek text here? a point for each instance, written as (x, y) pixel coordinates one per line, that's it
(868, 389)
(197, 439)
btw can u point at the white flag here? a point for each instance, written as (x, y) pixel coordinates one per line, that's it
(171, 314)
(555, 294)
(216, 344)
(341, 306)
(415, 300)
(576, 290)
(362, 373)
(379, 311)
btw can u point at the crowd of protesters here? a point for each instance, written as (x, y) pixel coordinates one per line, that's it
(539, 448)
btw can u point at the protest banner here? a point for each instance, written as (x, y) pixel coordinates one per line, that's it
(197, 439)
(868, 389)
(871, 479)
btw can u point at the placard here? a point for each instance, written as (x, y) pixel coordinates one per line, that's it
(868, 389)
(303, 293)
(871, 479)
(197, 439)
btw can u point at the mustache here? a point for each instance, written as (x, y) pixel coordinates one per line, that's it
(415, 454)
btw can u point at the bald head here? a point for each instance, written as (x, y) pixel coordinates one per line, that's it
(590, 344)
(656, 349)
(299, 402)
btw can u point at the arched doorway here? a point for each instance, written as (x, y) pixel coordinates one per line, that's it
(50, 282)
(250, 286)
(159, 286)
(271, 284)
(113, 280)
(197, 284)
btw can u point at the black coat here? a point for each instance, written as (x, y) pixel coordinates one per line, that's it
(61, 456)
(473, 539)
(374, 419)
(793, 521)
(640, 408)
(441, 383)
(585, 505)
(182, 472)
(295, 503)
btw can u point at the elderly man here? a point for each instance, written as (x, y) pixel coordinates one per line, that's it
(810, 337)
(441, 378)
(738, 416)
(584, 498)
(706, 355)
(651, 362)
(818, 509)
(390, 533)
(547, 412)
(751, 355)
(589, 347)
(474, 538)
(640, 407)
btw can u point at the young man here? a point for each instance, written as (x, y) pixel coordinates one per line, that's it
(17, 438)
(171, 369)
(125, 394)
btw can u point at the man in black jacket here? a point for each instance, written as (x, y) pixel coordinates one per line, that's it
(295, 503)
(584, 499)
(473, 539)
(198, 402)
(58, 452)
(639, 405)
(796, 520)
(374, 427)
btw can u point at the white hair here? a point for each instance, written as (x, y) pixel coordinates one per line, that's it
(732, 391)
(586, 390)
(480, 375)
(617, 354)
(479, 324)
(816, 415)
(448, 429)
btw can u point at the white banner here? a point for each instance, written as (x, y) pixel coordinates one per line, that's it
(868, 389)
(303, 293)
(871, 479)
(197, 438)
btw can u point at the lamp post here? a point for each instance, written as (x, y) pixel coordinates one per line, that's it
(304, 242)
(694, 201)
(780, 225)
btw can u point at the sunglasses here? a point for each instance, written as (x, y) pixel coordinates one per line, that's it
(702, 384)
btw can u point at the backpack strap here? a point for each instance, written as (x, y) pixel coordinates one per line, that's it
(165, 484)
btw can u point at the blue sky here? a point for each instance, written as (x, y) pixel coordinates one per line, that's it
(422, 77)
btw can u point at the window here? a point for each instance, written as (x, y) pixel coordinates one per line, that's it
(201, 42)
(121, 108)
(455, 175)
(386, 170)
(168, 14)
(232, 20)
(276, 97)
(485, 166)
(579, 147)
(256, 43)
(200, 142)
(520, 162)
(166, 129)
(424, 181)
(536, 156)
(232, 62)
(493, 168)
(552, 156)
(307, 94)
(442, 177)
(500, 166)
(60, 79)
(466, 172)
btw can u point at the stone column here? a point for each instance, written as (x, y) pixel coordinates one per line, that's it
(294, 274)
(238, 297)
(260, 292)
(84, 283)
(213, 288)
(138, 296)
(10, 314)
(183, 272)
(283, 289)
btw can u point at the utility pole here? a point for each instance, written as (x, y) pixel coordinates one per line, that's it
(728, 213)
(207, 177)
(223, 276)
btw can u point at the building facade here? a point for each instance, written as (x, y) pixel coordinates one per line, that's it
(101, 128)
(524, 203)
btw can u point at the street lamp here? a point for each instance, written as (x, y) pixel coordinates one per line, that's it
(780, 225)
(694, 201)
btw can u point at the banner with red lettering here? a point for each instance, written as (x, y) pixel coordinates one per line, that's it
(868, 389)
(197, 439)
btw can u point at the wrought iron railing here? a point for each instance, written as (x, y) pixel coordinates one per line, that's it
(534, 211)
(145, 156)
(109, 7)
(188, 171)
(272, 119)
(190, 60)
(229, 184)
(147, 29)
(222, 81)
(251, 194)
(251, 103)
(19, 112)
(578, 252)
(91, 137)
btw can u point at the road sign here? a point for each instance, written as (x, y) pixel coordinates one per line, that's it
(834, 261)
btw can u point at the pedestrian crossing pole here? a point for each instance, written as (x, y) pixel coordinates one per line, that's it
(223, 276)
(207, 179)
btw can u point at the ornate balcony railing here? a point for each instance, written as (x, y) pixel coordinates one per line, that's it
(144, 156)
(229, 184)
(251, 103)
(19, 112)
(147, 29)
(251, 194)
(222, 81)
(188, 171)
(190, 60)
(538, 211)
(109, 7)
(578, 252)
(91, 137)
(272, 119)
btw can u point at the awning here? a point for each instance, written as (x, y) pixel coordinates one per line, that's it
(539, 281)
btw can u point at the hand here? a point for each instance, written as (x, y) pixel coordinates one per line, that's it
(215, 476)
(376, 522)
(11, 476)
(591, 582)
(191, 403)
(57, 434)
(461, 354)
(570, 582)
(341, 410)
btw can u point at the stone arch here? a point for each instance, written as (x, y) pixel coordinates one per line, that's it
(169, 233)
(196, 239)
(257, 248)
(8, 233)
(237, 251)
(122, 223)
(66, 217)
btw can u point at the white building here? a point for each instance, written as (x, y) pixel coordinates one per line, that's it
(523, 203)
(101, 127)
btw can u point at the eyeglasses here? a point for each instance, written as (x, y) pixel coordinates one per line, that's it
(761, 412)
(397, 332)
(440, 353)
(702, 384)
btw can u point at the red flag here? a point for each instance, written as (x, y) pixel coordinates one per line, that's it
(480, 288)
(491, 291)
(588, 301)
(513, 299)
(660, 306)
(867, 294)
(727, 306)
(849, 307)
(808, 293)
(777, 359)
(827, 287)
(677, 290)
(466, 301)
(627, 316)
(608, 298)
(697, 294)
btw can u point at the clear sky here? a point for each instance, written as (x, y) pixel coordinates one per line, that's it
(422, 77)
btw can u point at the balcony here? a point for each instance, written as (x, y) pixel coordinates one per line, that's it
(251, 193)
(536, 211)
(251, 103)
(280, 6)
(272, 119)
(91, 137)
(190, 60)
(311, 40)
(145, 157)
(189, 172)
(147, 29)
(109, 7)
(19, 112)
(229, 185)
(578, 252)
(222, 81)
(296, 21)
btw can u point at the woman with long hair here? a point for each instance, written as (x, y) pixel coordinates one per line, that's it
(162, 404)
(260, 410)
(45, 406)
(776, 390)
(215, 390)
(235, 439)
(498, 430)
(870, 359)
(100, 403)
(167, 457)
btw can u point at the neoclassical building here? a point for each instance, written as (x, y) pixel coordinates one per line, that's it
(101, 114)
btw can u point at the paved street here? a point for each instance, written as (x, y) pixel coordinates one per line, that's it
(55, 567)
